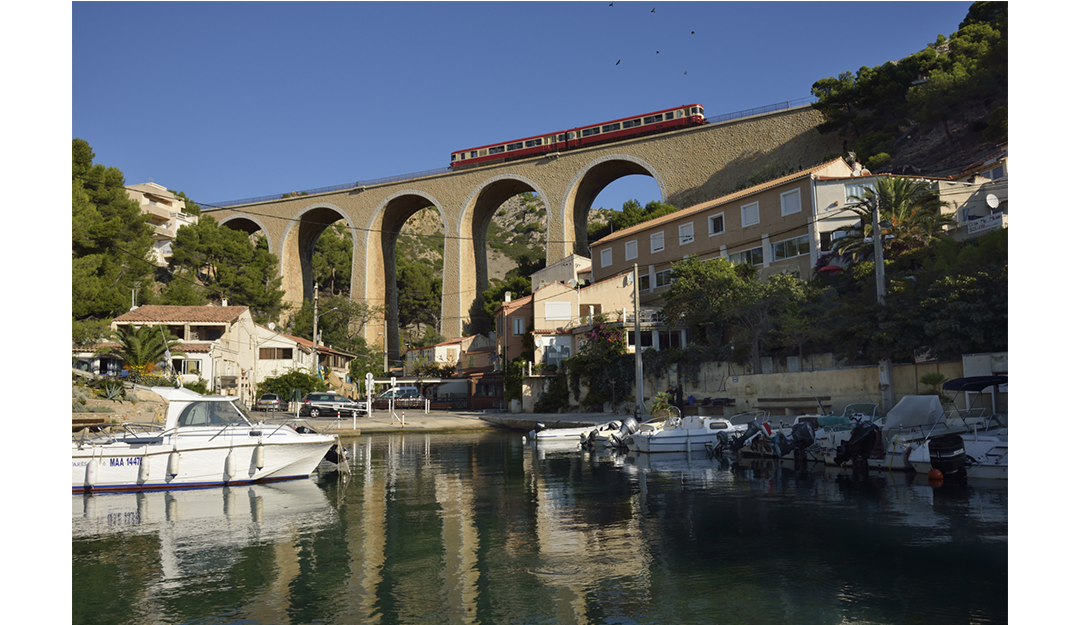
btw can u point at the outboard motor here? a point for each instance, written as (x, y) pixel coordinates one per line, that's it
(859, 445)
(753, 429)
(781, 445)
(536, 430)
(802, 438)
(723, 441)
(629, 426)
(947, 454)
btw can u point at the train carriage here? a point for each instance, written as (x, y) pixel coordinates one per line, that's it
(616, 129)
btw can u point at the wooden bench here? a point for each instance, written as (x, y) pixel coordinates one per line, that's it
(792, 406)
(95, 424)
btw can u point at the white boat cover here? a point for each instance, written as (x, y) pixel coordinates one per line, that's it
(912, 411)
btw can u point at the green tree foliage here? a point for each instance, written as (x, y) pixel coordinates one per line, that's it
(946, 300)
(910, 209)
(331, 263)
(419, 295)
(285, 384)
(143, 347)
(341, 323)
(495, 294)
(111, 240)
(603, 365)
(703, 294)
(948, 81)
(633, 214)
(228, 266)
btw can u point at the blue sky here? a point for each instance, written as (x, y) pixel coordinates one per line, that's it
(226, 101)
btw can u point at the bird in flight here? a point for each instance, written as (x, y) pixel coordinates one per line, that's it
(653, 11)
(619, 61)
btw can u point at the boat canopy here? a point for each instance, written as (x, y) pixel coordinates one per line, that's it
(913, 411)
(975, 383)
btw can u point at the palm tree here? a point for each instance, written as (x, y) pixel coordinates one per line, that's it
(141, 347)
(910, 213)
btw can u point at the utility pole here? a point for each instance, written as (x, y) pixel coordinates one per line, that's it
(315, 335)
(638, 376)
(885, 378)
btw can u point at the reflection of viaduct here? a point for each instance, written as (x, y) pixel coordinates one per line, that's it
(690, 166)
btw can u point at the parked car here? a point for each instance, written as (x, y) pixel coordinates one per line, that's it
(400, 392)
(269, 401)
(330, 405)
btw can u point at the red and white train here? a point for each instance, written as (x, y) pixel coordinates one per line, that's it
(658, 121)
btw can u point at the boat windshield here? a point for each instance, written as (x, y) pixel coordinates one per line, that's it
(204, 413)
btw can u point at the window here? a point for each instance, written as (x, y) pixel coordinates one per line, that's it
(610, 127)
(605, 257)
(750, 214)
(557, 311)
(514, 146)
(275, 353)
(997, 172)
(472, 154)
(644, 284)
(790, 202)
(631, 124)
(653, 119)
(753, 256)
(533, 143)
(497, 150)
(686, 233)
(656, 242)
(519, 325)
(588, 132)
(670, 339)
(669, 115)
(791, 247)
(853, 192)
(631, 250)
(716, 224)
(663, 278)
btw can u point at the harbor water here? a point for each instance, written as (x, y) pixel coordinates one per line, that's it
(488, 528)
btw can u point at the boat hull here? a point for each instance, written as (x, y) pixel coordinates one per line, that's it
(194, 462)
(986, 457)
(689, 434)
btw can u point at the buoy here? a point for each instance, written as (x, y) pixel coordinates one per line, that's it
(935, 474)
(174, 463)
(230, 464)
(260, 456)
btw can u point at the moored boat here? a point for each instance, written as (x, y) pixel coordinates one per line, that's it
(204, 441)
(681, 434)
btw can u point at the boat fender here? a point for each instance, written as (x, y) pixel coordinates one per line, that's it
(230, 464)
(174, 463)
(144, 469)
(91, 472)
(260, 456)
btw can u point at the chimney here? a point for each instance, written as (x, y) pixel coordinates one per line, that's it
(224, 302)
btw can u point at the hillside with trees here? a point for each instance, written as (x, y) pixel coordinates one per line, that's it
(934, 111)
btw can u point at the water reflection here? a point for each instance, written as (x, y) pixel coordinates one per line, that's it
(489, 529)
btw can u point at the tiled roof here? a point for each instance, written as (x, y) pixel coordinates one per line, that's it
(182, 314)
(686, 212)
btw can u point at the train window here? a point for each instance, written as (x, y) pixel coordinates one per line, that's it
(514, 146)
(669, 115)
(561, 137)
(472, 154)
(610, 127)
(632, 123)
(652, 119)
(453, 157)
(588, 132)
(498, 150)
(534, 143)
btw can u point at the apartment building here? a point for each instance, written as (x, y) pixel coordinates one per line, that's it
(774, 226)
(166, 211)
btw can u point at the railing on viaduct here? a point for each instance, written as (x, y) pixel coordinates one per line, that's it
(779, 106)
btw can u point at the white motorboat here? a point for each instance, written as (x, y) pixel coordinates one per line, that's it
(979, 451)
(543, 433)
(977, 455)
(689, 433)
(205, 441)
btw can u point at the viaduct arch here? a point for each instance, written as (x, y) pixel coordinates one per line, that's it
(690, 166)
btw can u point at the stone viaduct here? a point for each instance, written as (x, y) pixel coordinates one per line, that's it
(690, 166)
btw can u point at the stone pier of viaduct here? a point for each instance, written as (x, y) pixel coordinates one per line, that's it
(690, 166)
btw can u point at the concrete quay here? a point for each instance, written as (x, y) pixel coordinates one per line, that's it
(415, 420)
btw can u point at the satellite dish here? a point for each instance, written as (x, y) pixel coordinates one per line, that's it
(272, 325)
(992, 200)
(572, 283)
